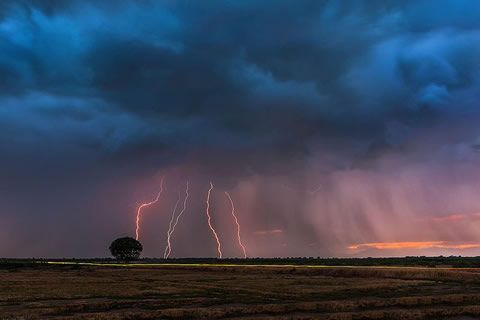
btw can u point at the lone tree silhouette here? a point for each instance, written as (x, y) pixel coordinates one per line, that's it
(126, 248)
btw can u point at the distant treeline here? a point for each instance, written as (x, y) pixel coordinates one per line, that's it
(451, 261)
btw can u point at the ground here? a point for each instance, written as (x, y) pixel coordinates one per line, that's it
(237, 292)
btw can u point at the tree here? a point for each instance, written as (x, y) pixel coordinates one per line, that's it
(126, 248)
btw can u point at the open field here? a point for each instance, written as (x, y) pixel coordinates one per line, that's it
(236, 292)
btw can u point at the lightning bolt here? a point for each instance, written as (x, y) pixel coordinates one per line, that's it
(169, 245)
(144, 205)
(178, 218)
(219, 246)
(238, 225)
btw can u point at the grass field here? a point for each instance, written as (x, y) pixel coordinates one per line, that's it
(60, 291)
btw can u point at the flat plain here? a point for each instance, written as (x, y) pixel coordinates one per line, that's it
(237, 292)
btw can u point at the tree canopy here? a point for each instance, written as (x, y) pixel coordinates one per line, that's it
(126, 248)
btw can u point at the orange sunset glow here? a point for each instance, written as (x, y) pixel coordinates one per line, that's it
(414, 245)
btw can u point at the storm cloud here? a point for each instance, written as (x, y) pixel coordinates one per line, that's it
(98, 100)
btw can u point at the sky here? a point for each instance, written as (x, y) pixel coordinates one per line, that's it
(339, 128)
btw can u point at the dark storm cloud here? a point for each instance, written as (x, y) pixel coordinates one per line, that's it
(260, 75)
(98, 90)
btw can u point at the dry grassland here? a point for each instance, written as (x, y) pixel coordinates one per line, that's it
(89, 292)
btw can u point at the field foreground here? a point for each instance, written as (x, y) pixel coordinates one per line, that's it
(237, 292)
